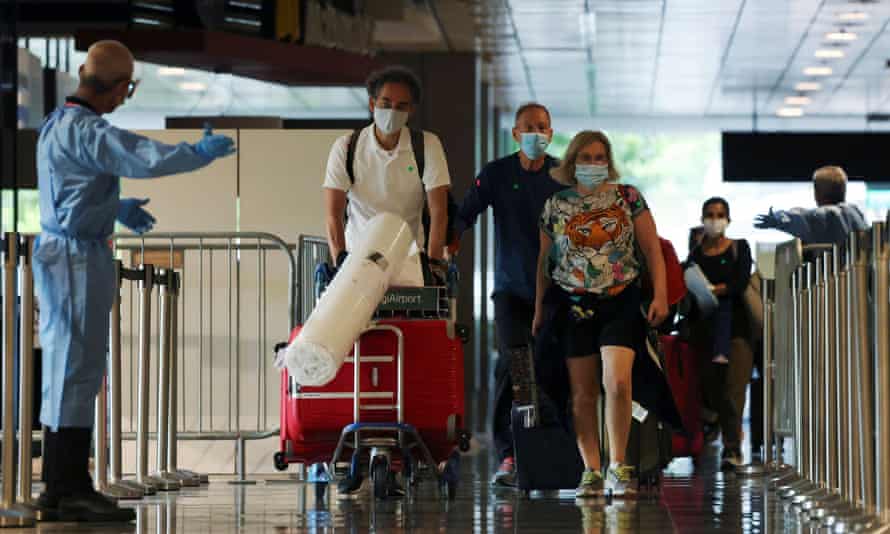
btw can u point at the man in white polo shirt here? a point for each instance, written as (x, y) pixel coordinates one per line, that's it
(385, 174)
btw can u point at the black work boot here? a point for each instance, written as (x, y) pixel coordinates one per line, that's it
(46, 507)
(79, 501)
(93, 507)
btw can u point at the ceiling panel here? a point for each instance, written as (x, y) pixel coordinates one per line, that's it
(696, 57)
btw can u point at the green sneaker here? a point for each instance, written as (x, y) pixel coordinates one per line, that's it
(622, 481)
(591, 485)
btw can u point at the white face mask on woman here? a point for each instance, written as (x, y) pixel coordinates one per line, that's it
(715, 227)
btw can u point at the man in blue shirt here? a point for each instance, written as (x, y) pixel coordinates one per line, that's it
(831, 222)
(516, 187)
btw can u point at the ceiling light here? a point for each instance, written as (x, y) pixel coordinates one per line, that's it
(829, 53)
(798, 100)
(192, 86)
(818, 71)
(789, 112)
(171, 71)
(852, 16)
(842, 35)
(808, 86)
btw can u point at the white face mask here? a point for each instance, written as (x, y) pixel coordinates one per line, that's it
(390, 121)
(715, 227)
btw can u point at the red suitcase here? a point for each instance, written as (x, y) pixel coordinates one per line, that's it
(682, 370)
(313, 418)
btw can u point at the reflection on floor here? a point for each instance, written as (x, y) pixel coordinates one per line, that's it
(693, 499)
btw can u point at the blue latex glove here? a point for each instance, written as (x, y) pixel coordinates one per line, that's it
(768, 220)
(214, 146)
(131, 215)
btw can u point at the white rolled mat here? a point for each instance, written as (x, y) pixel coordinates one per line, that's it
(348, 304)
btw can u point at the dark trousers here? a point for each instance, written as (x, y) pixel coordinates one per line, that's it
(513, 318)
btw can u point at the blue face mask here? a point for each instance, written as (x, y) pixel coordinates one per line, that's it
(591, 176)
(533, 144)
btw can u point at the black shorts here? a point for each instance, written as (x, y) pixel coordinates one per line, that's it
(616, 322)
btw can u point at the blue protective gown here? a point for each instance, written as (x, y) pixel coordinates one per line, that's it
(80, 158)
(825, 224)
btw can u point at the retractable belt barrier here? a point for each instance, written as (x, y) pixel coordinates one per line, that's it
(838, 345)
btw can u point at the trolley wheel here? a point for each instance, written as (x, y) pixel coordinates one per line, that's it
(279, 461)
(380, 478)
(463, 332)
(463, 442)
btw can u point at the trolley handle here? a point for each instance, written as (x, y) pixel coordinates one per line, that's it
(400, 370)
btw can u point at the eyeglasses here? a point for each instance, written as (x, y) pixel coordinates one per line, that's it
(131, 87)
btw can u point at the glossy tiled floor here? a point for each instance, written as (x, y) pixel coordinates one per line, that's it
(692, 500)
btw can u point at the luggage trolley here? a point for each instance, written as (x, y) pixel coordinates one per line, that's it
(370, 446)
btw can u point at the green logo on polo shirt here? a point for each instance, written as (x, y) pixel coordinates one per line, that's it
(410, 168)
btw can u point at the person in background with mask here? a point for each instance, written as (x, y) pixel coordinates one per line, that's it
(831, 222)
(385, 174)
(722, 341)
(588, 295)
(515, 187)
(80, 159)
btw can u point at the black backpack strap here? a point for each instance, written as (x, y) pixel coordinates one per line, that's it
(350, 154)
(420, 159)
(418, 149)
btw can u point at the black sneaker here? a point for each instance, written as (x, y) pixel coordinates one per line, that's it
(93, 507)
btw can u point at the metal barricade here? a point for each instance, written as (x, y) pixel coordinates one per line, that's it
(224, 299)
(840, 329)
(311, 251)
(17, 313)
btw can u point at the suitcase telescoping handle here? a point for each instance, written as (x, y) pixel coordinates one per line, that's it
(400, 370)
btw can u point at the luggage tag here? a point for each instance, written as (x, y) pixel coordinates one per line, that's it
(639, 413)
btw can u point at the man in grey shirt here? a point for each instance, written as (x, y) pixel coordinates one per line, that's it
(831, 222)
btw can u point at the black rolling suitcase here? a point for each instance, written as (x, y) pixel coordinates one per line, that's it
(544, 444)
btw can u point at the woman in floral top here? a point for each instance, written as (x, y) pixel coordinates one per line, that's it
(589, 266)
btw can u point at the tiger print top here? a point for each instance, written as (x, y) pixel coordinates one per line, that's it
(593, 239)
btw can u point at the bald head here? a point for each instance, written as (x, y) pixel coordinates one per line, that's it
(108, 63)
(106, 77)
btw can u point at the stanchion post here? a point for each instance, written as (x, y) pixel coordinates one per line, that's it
(144, 290)
(857, 298)
(26, 368)
(845, 443)
(187, 478)
(882, 374)
(766, 289)
(163, 408)
(11, 514)
(874, 427)
(108, 422)
(817, 373)
(114, 379)
(800, 339)
(829, 369)
(809, 366)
